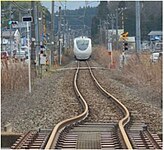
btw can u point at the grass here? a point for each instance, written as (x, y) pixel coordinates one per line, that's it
(101, 55)
(139, 70)
(14, 76)
(145, 72)
(141, 74)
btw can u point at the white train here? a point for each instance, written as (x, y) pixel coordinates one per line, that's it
(82, 48)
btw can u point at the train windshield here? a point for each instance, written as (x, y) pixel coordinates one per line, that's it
(82, 44)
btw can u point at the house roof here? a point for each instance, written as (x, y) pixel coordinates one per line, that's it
(155, 33)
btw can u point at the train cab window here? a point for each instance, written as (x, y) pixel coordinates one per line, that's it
(82, 44)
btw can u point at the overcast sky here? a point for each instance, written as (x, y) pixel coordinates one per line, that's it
(72, 5)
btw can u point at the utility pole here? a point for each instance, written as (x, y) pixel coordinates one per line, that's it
(65, 33)
(29, 64)
(20, 32)
(10, 29)
(33, 56)
(41, 27)
(52, 34)
(112, 26)
(122, 20)
(59, 36)
(116, 29)
(36, 22)
(100, 32)
(20, 20)
(117, 15)
(138, 28)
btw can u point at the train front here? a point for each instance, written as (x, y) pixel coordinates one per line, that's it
(82, 48)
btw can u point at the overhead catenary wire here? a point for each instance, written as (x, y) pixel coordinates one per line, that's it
(20, 8)
(61, 4)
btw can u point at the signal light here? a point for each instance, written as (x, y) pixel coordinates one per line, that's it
(125, 46)
(13, 22)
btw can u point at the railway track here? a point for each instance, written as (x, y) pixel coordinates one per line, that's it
(76, 133)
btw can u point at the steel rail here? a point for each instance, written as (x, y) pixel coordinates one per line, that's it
(149, 135)
(21, 142)
(61, 125)
(124, 120)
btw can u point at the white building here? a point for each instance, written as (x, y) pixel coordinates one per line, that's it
(8, 37)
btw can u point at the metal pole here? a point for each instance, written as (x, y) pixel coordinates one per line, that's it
(138, 28)
(116, 29)
(29, 63)
(100, 33)
(33, 31)
(20, 20)
(59, 30)
(122, 19)
(112, 23)
(60, 53)
(41, 28)
(36, 31)
(52, 34)
(64, 34)
(10, 30)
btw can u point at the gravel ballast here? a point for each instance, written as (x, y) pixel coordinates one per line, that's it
(53, 100)
(132, 98)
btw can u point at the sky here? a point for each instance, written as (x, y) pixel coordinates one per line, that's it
(71, 5)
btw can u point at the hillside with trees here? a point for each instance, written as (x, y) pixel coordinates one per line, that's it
(151, 17)
(87, 19)
(79, 20)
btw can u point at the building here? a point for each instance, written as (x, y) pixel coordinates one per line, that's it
(10, 40)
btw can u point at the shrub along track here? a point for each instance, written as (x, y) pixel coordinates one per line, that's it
(132, 97)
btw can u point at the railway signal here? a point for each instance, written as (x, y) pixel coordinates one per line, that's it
(12, 22)
(124, 36)
(125, 45)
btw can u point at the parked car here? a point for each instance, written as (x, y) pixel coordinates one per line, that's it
(4, 55)
(21, 55)
(155, 57)
(158, 47)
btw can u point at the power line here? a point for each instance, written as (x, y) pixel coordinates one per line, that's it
(61, 4)
(19, 7)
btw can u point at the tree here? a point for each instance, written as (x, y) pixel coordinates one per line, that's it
(94, 28)
(103, 10)
(151, 16)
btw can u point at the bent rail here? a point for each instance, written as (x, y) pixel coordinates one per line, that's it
(60, 126)
(124, 120)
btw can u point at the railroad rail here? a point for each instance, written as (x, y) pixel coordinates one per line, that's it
(32, 140)
(76, 133)
(124, 120)
(60, 126)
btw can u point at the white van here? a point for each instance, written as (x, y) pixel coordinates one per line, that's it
(21, 55)
(154, 57)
